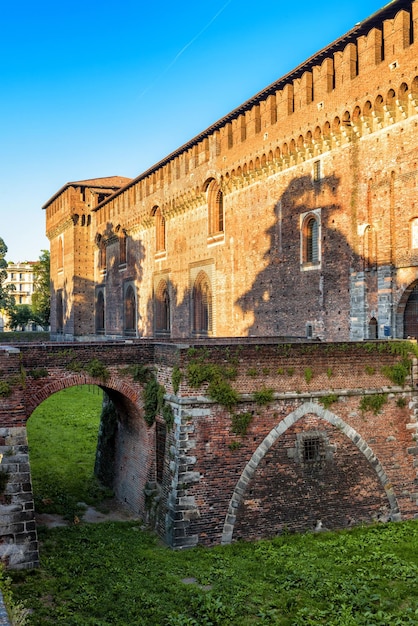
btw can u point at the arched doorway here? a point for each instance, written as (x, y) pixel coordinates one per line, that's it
(410, 316)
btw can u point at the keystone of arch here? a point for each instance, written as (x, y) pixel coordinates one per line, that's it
(252, 465)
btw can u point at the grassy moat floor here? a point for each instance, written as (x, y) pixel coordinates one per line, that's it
(117, 573)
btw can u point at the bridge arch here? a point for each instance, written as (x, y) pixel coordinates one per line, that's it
(132, 441)
(54, 384)
(305, 409)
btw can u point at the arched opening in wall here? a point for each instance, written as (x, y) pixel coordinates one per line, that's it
(390, 104)
(414, 91)
(336, 128)
(327, 132)
(102, 254)
(162, 309)
(215, 202)
(378, 111)
(60, 311)
(60, 258)
(356, 120)
(202, 305)
(410, 315)
(403, 99)
(123, 241)
(330, 468)
(100, 313)
(373, 328)
(62, 435)
(90, 446)
(310, 240)
(160, 233)
(346, 124)
(366, 117)
(129, 307)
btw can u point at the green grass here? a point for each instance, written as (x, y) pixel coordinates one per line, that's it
(62, 435)
(119, 574)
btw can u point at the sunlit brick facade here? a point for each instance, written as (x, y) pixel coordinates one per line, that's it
(294, 215)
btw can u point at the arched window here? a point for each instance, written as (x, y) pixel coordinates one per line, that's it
(130, 311)
(410, 318)
(159, 229)
(102, 254)
(373, 329)
(100, 313)
(215, 208)
(60, 259)
(162, 308)
(202, 305)
(310, 244)
(414, 233)
(60, 311)
(122, 248)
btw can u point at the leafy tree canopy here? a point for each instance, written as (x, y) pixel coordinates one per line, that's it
(7, 301)
(20, 316)
(41, 298)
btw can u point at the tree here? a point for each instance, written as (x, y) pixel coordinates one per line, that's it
(41, 298)
(7, 301)
(20, 316)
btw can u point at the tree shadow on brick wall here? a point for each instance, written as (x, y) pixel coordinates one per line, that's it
(292, 295)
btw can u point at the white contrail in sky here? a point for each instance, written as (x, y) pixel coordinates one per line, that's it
(191, 42)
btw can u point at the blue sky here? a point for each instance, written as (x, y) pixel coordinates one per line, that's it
(92, 89)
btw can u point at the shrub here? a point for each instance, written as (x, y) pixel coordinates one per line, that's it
(373, 403)
(326, 401)
(38, 372)
(168, 415)
(240, 423)
(153, 400)
(397, 373)
(308, 374)
(5, 389)
(264, 395)
(97, 369)
(140, 373)
(176, 378)
(222, 392)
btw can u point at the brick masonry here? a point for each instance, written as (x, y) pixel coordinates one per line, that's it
(334, 139)
(310, 455)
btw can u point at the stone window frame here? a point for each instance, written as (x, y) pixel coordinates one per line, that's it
(313, 448)
(202, 304)
(130, 313)
(414, 233)
(310, 240)
(100, 312)
(162, 306)
(216, 211)
(160, 232)
(316, 173)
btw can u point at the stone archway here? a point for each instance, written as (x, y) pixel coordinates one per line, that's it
(291, 419)
(408, 312)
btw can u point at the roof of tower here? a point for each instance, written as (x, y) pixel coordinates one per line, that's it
(106, 182)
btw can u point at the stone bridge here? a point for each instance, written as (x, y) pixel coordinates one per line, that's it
(245, 440)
